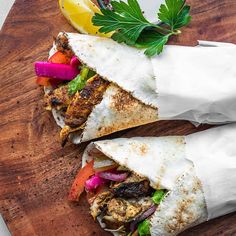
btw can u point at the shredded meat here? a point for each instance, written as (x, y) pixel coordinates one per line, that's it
(134, 178)
(122, 210)
(100, 203)
(84, 101)
(81, 106)
(63, 46)
(132, 187)
(112, 224)
(78, 107)
(66, 131)
(118, 213)
(58, 98)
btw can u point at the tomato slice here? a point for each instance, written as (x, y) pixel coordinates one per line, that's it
(44, 81)
(59, 58)
(79, 182)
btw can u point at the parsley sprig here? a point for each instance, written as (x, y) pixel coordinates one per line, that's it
(80, 80)
(130, 26)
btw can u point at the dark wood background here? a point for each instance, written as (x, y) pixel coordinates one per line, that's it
(35, 172)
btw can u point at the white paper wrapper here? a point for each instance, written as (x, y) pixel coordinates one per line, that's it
(197, 83)
(213, 153)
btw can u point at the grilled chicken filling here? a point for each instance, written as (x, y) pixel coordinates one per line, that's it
(58, 99)
(132, 187)
(62, 45)
(76, 107)
(125, 203)
(122, 201)
(84, 101)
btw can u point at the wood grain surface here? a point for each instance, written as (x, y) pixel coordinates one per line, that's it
(35, 172)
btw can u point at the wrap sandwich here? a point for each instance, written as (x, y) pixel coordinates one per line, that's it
(118, 87)
(117, 93)
(159, 185)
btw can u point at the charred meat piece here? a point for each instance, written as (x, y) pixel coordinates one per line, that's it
(62, 45)
(100, 203)
(65, 132)
(122, 210)
(134, 178)
(58, 98)
(132, 187)
(84, 101)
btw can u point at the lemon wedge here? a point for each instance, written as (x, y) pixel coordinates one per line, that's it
(79, 13)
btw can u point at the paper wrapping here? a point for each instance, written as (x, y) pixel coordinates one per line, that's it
(197, 83)
(213, 153)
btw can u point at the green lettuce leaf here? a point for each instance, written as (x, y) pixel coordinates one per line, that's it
(158, 196)
(144, 228)
(79, 82)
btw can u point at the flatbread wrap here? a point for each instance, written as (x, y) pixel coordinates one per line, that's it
(125, 89)
(160, 185)
(119, 94)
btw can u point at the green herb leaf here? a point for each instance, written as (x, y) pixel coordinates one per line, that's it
(76, 84)
(158, 196)
(129, 25)
(121, 38)
(126, 18)
(91, 73)
(153, 41)
(144, 228)
(156, 47)
(80, 81)
(174, 13)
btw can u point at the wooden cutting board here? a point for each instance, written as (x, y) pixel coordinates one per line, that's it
(35, 172)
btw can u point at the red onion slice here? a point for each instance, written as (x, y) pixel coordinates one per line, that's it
(94, 182)
(144, 216)
(113, 176)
